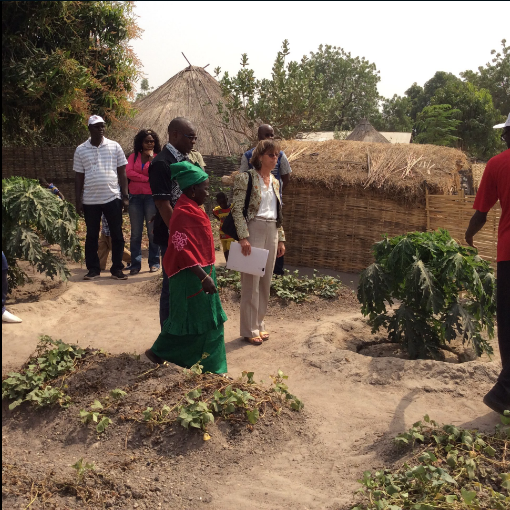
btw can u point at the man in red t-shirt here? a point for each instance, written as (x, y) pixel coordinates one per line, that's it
(495, 185)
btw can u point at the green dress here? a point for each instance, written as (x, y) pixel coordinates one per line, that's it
(194, 326)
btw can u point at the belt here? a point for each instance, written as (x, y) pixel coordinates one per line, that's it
(258, 218)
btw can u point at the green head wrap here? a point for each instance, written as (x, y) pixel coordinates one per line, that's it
(186, 174)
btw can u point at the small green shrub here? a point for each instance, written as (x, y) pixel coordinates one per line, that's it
(289, 287)
(443, 289)
(30, 214)
(52, 359)
(453, 469)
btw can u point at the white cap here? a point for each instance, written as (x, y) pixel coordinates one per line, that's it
(505, 124)
(95, 119)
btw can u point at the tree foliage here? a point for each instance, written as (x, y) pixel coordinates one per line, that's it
(62, 61)
(494, 77)
(443, 289)
(30, 214)
(437, 124)
(395, 115)
(330, 89)
(144, 88)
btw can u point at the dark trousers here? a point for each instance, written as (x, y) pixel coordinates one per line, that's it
(5, 286)
(278, 266)
(164, 300)
(113, 214)
(503, 316)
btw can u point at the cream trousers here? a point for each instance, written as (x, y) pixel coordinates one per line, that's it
(255, 289)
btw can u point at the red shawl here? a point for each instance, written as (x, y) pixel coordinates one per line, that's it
(191, 240)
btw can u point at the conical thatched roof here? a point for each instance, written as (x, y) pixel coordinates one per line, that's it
(191, 93)
(365, 132)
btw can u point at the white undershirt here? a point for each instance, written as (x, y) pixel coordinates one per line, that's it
(267, 209)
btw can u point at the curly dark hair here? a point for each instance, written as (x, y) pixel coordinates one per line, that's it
(140, 137)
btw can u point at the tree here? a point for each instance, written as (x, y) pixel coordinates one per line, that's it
(62, 61)
(145, 89)
(495, 77)
(31, 213)
(436, 125)
(442, 290)
(477, 117)
(395, 115)
(330, 89)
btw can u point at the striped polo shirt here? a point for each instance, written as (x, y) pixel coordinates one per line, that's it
(99, 164)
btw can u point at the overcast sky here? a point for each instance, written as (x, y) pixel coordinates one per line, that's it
(408, 41)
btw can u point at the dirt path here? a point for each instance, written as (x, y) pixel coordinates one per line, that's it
(354, 404)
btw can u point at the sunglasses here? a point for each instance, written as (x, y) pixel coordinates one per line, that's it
(190, 137)
(272, 155)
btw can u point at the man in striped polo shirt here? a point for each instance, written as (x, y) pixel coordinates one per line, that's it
(100, 166)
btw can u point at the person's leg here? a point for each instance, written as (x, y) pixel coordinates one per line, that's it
(249, 326)
(150, 212)
(271, 244)
(92, 215)
(113, 214)
(5, 286)
(164, 300)
(136, 215)
(103, 250)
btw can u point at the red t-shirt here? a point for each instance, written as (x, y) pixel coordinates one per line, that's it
(495, 185)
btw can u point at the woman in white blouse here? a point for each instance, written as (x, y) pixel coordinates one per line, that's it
(261, 228)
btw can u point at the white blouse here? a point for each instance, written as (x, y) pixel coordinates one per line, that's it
(267, 209)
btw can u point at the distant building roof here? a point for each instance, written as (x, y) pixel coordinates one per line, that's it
(322, 136)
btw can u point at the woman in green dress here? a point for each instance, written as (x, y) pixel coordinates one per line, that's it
(195, 324)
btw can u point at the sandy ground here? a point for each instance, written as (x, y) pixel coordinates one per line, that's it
(354, 404)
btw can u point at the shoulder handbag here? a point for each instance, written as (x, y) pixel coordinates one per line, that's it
(229, 226)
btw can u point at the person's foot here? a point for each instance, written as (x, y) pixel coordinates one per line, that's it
(496, 402)
(264, 335)
(154, 357)
(134, 270)
(256, 340)
(119, 275)
(91, 275)
(10, 317)
(153, 269)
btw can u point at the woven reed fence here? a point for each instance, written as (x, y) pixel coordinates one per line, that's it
(55, 164)
(336, 229)
(453, 212)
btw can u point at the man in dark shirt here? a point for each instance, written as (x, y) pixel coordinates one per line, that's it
(166, 191)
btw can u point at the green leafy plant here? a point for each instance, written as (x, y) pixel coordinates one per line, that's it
(53, 358)
(95, 415)
(454, 468)
(442, 288)
(282, 388)
(289, 287)
(82, 468)
(196, 413)
(31, 214)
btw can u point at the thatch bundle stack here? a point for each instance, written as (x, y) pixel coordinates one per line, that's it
(365, 132)
(345, 195)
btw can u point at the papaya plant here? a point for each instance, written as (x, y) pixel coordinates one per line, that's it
(31, 214)
(442, 290)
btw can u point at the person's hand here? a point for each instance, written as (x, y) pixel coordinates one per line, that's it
(152, 219)
(150, 153)
(125, 204)
(281, 249)
(79, 207)
(208, 286)
(245, 247)
(470, 241)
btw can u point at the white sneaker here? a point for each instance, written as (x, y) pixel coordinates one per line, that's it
(9, 317)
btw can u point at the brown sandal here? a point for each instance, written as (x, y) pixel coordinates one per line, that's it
(256, 340)
(264, 335)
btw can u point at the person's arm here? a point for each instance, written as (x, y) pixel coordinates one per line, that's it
(244, 164)
(285, 171)
(79, 179)
(240, 188)
(475, 224)
(165, 209)
(207, 281)
(134, 170)
(123, 183)
(285, 181)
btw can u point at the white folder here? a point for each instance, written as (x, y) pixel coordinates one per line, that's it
(254, 264)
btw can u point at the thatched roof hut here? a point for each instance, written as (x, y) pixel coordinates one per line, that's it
(191, 93)
(344, 196)
(365, 132)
